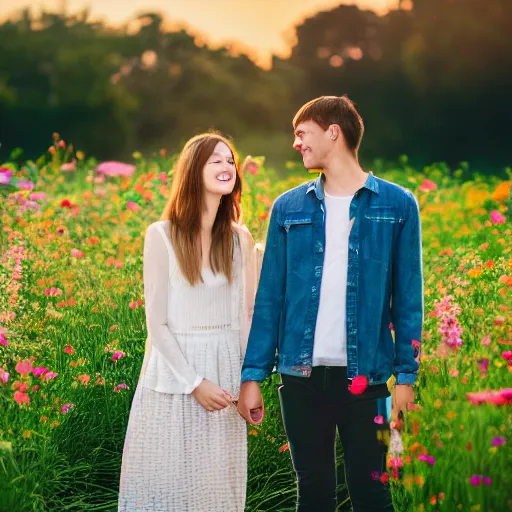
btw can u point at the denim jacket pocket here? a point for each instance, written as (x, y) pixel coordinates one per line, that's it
(384, 214)
(297, 220)
(299, 240)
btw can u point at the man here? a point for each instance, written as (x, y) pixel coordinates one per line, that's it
(342, 271)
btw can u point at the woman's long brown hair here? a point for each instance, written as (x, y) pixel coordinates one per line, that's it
(186, 204)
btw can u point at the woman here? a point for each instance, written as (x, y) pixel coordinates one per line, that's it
(186, 445)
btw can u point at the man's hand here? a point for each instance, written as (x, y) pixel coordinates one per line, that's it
(250, 402)
(404, 394)
(211, 396)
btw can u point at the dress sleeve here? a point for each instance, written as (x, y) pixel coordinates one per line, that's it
(156, 292)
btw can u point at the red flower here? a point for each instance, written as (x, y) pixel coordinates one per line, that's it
(66, 203)
(284, 448)
(359, 385)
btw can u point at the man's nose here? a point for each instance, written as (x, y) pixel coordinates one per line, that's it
(297, 144)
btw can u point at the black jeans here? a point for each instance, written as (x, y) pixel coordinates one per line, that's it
(312, 409)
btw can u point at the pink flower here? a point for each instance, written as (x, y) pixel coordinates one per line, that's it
(358, 385)
(507, 355)
(65, 408)
(132, 206)
(40, 370)
(119, 387)
(37, 196)
(475, 480)
(77, 253)
(24, 367)
(29, 205)
(483, 366)
(25, 184)
(497, 217)
(3, 339)
(115, 169)
(6, 175)
(427, 185)
(379, 420)
(498, 441)
(486, 341)
(50, 375)
(118, 355)
(4, 376)
(21, 398)
(53, 292)
(500, 397)
(252, 168)
(135, 304)
(69, 166)
(395, 462)
(506, 394)
(427, 458)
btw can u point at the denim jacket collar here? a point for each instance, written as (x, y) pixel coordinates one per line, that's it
(318, 185)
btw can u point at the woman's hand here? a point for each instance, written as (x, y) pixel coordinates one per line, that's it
(211, 397)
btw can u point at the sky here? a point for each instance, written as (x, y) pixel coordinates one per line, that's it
(259, 27)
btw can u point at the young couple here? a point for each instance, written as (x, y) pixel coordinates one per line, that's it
(342, 263)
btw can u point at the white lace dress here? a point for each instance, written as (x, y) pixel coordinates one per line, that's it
(177, 456)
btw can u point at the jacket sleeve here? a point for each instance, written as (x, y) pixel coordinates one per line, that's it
(262, 345)
(407, 296)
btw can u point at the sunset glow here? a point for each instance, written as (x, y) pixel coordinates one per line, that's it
(258, 28)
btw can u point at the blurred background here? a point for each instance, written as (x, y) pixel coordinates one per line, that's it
(432, 78)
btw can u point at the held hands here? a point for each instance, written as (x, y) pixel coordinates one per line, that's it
(211, 396)
(250, 403)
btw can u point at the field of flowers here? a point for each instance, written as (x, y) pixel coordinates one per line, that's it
(72, 332)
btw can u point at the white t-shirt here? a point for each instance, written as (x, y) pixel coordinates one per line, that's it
(330, 345)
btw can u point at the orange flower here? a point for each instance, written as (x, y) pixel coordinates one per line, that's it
(84, 379)
(502, 191)
(475, 272)
(506, 280)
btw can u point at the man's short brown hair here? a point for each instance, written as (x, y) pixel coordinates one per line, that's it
(340, 110)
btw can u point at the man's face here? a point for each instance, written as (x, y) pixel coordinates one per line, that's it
(313, 143)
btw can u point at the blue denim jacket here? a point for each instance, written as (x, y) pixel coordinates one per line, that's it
(384, 285)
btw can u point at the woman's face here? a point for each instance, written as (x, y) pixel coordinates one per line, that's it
(219, 172)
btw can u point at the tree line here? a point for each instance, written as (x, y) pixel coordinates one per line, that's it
(432, 82)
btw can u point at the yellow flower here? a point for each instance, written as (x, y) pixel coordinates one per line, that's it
(5, 446)
(80, 155)
(476, 197)
(137, 155)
